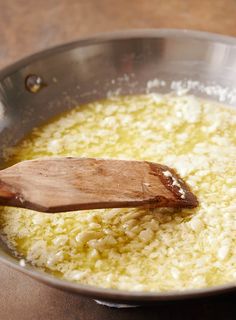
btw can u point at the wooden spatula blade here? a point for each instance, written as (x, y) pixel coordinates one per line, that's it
(63, 184)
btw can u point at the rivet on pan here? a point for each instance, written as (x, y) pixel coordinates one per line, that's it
(34, 83)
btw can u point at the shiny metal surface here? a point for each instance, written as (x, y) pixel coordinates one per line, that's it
(119, 63)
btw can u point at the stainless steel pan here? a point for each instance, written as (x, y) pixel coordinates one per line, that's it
(119, 63)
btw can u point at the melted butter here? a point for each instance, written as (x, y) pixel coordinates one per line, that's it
(136, 249)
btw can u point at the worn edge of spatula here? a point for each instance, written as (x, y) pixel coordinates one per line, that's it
(159, 186)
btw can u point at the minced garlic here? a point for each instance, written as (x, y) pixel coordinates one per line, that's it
(137, 249)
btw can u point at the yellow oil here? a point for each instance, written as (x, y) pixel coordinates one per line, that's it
(134, 249)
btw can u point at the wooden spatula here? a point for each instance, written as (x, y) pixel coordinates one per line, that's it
(62, 184)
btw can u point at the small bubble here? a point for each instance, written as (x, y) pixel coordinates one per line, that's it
(34, 83)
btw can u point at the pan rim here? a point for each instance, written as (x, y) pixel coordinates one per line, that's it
(116, 35)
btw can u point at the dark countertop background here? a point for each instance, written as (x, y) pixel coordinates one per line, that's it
(27, 26)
